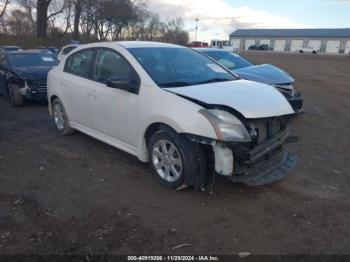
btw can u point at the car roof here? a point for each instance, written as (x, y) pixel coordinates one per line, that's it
(133, 44)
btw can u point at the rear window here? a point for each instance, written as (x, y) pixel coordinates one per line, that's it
(32, 60)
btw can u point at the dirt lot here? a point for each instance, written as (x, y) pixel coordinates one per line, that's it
(76, 195)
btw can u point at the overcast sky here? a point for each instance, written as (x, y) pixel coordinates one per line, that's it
(218, 18)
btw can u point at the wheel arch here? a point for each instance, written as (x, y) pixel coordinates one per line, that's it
(50, 100)
(151, 129)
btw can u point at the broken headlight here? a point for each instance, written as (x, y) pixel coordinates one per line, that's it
(227, 127)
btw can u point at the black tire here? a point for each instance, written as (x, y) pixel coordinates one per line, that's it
(65, 129)
(16, 99)
(188, 155)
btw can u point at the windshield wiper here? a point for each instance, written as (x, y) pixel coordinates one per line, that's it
(174, 84)
(214, 80)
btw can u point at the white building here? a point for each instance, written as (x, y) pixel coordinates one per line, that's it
(336, 41)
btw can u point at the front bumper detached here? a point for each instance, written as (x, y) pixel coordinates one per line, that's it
(272, 171)
(264, 164)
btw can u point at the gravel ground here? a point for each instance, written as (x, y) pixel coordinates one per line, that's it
(76, 195)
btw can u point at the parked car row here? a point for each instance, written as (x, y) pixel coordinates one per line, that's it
(262, 47)
(190, 113)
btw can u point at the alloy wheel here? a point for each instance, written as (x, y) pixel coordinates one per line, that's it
(167, 160)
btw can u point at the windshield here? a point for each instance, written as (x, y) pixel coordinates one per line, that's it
(174, 67)
(32, 60)
(229, 60)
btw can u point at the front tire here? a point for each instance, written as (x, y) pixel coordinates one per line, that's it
(16, 99)
(173, 159)
(60, 118)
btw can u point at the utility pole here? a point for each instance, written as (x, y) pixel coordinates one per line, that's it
(196, 27)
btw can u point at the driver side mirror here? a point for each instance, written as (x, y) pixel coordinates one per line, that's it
(122, 83)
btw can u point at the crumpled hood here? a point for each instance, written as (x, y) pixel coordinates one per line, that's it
(267, 74)
(252, 100)
(33, 73)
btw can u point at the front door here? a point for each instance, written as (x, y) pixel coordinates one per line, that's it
(113, 112)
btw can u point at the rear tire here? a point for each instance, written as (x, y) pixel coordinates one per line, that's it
(60, 118)
(173, 159)
(16, 99)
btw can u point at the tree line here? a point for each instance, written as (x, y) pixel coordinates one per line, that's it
(54, 22)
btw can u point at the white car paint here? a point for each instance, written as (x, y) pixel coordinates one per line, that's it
(251, 99)
(121, 119)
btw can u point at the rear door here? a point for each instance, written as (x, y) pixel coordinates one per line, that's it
(75, 85)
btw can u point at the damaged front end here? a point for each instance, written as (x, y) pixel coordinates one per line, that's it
(254, 156)
(36, 90)
(263, 160)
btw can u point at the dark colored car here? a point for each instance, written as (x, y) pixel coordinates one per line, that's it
(253, 48)
(23, 75)
(5, 49)
(267, 74)
(263, 47)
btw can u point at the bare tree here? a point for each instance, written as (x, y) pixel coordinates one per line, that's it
(43, 17)
(78, 8)
(2, 12)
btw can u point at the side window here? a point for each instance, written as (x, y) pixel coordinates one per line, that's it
(110, 64)
(80, 63)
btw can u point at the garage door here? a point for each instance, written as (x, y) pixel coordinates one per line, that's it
(280, 45)
(332, 46)
(315, 44)
(236, 44)
(265, 42)
(296, 45)
(347, 48)
(248, 43)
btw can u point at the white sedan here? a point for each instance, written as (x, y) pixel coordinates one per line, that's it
(175, 108)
